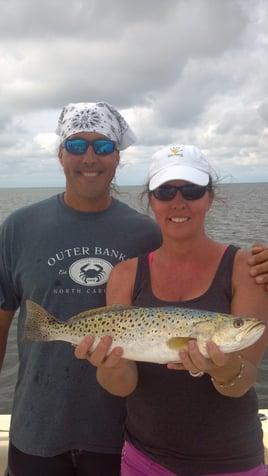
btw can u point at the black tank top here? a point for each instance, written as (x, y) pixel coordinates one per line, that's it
(182, 422)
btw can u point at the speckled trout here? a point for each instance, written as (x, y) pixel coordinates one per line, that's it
(146, 334)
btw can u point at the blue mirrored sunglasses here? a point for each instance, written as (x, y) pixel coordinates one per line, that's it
(188, 192)
(79, 146)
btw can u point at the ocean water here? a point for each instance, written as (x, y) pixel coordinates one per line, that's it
(238, 216)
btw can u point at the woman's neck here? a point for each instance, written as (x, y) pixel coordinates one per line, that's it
(187, 250)
(183, 273)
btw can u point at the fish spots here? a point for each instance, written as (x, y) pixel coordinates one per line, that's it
(145, 334)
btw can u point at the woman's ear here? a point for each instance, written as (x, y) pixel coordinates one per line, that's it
(211, 199)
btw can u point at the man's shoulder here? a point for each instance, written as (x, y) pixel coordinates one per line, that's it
(32, 209)
(132, 217)
(130, 211)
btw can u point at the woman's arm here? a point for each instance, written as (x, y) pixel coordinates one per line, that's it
(251, 300)
(114, 373)
(233, 374)
(121, 282)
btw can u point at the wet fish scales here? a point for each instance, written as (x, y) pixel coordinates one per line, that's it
(146, 334)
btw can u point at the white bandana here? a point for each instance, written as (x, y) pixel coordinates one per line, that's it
(98, 117)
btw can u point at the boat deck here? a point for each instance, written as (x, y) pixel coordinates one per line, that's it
(4, 434)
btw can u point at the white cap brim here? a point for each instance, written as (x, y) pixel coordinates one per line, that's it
(178, 172)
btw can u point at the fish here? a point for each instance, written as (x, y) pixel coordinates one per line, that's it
(153, 334)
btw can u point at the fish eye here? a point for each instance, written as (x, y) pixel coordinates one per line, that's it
(238, 323)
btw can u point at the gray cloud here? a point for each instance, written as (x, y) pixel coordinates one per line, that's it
(194, 71)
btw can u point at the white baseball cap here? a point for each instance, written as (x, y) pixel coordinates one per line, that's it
(178, 162)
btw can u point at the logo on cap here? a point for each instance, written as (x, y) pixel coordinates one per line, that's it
(176, 151)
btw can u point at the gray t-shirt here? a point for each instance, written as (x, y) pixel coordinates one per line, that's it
(61, 259)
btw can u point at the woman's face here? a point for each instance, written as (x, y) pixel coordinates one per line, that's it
(181, 218)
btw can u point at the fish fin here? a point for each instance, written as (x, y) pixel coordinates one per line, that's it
(36, 319)
(178, 343)
(99, 310)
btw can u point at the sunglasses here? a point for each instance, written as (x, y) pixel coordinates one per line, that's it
(79, 146)
(188, 192)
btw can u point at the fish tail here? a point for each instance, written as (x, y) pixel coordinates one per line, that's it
(38, 323)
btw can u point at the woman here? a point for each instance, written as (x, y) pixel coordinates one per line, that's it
(202, 419)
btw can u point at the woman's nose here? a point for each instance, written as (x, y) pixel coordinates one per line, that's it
(178, 199)
(178, 196)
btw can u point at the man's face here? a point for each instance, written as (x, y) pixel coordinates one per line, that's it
(88, 176)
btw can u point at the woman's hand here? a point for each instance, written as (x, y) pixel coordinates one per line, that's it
(231, 375)
(100, 356)
(193, 361)
(117, 375)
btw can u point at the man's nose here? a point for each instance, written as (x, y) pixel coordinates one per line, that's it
(89, 155)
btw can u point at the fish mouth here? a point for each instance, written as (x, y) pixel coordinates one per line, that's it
(255, 325)
(257, 328)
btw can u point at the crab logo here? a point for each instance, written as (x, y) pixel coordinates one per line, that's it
(90, 271)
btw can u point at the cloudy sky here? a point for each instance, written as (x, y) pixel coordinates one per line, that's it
(183, 71)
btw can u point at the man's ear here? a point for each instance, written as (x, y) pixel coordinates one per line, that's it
(118, 158)
(60, 155)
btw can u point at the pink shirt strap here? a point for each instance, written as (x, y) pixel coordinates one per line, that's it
(150, 258)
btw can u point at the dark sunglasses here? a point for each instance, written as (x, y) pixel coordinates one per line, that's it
(79, 146)
(189, 192)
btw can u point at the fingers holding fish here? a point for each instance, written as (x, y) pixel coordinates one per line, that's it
(218, 357)
(104, 356)
(195, 362)
(101, 355)
(82, 350)
(191, 360)
(98, 356)
(215, 358)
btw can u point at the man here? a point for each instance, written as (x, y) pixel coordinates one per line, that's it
(59, 253)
